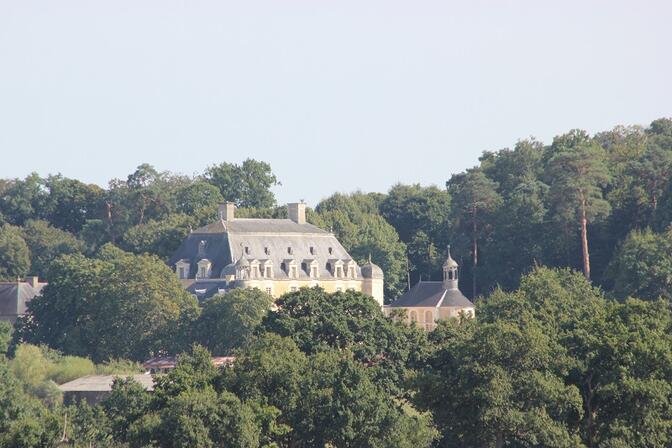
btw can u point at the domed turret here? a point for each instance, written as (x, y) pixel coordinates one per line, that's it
(372, 281)
(450, 272)
(373, 271)
(242, 269)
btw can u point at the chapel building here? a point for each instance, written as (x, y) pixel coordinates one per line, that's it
(429, 301)
(275, 255)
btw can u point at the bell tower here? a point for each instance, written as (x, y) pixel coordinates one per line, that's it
(450, 272)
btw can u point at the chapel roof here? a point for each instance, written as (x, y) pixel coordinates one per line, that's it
(431, 294)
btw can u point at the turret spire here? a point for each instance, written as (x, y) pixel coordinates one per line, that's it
(450, 272)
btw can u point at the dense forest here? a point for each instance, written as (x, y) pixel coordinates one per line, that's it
(565, 247)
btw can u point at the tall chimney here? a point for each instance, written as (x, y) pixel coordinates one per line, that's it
(227, 211)
(297, 212)
(33, 281)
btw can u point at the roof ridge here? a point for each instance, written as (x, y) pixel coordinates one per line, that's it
(443, 296)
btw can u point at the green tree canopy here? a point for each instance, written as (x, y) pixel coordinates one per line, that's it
(14, 253)
(115, 305)
(46, 243)
(228, 321)
(248, 184)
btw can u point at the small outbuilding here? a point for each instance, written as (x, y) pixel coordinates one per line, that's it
(14, 297)
(93, 388)
(429, 301)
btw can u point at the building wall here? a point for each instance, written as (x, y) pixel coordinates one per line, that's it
(375, 288)
(426, 317)
(276, 288)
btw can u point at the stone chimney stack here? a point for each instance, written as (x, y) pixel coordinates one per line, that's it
(297, 212)
(227, 211)
(33, 281)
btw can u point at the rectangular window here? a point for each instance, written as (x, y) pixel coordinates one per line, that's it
(269, 291)
(293, 289)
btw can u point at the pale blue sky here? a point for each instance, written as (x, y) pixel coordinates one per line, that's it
(337, 96)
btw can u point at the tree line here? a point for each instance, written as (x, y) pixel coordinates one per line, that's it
(553, 363)
(585, 202)
(574, 354)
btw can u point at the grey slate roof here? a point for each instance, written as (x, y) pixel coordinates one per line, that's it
(204, 289)
(432, 294)
(103, 383)
(14, 296)
(227, 242)
(252, 225)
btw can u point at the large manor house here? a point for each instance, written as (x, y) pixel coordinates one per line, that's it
(283, 255)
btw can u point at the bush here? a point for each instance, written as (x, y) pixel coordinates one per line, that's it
(69, 368)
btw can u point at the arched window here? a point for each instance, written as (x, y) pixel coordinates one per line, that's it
(429, 317)
(414, 316)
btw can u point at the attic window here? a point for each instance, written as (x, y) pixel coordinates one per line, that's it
(247, 250)
(331, 250)
(290, 251)
(267, 250)
(312, 250)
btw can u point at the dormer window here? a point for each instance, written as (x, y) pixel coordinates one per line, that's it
(312, 269)
(312, 250)
(351, 268)
(182, 269)
(290, 251)
(203, 268)
(290, 268)
(267, 250)
(255, 272)
(335, 267)
(247, 250)
(331, 250)
(267, 268)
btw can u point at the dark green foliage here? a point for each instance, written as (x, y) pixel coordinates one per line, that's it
(421, 216)
(6, 330)
(115, 305)
(161, 238)
(318, 321)
(227, 321)
(355, 221)
(475, 199)
(642, 266)
(248, 184)
(325, 399)
(14, 254)
(46, 243)
(553, 364)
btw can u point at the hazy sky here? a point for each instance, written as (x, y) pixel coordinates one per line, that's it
(336, 96)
